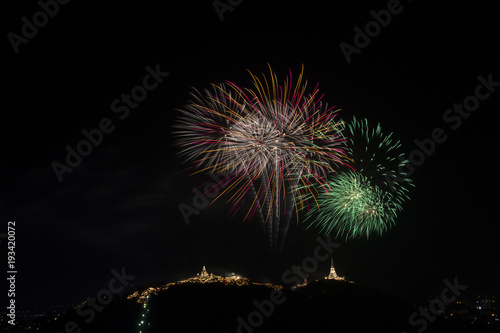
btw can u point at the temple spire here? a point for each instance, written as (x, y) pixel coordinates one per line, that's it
(333, 275)
(204, 273)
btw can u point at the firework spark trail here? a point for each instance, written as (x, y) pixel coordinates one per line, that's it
(361, 202)
(354, 207)
(270, 137)
(374, 154)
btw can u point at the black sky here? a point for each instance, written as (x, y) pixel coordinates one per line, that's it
(119, 207)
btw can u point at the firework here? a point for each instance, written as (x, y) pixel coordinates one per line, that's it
(266, 140)
(354, 207)
(366, 201)
(377, 156)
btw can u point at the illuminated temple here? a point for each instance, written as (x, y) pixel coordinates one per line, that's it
(333, 275)
(235, 280)
(204, 275)
(201, 278)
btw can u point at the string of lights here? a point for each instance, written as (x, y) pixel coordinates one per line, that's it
(144, 323)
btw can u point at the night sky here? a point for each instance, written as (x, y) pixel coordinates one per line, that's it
(119, 206)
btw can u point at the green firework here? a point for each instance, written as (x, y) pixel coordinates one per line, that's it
(365, 201)
(378, 157)
(353, 207)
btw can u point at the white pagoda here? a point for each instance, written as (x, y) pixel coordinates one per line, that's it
(333, 275)
(204, 273)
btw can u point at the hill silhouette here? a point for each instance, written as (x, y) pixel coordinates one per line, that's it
(320, 306)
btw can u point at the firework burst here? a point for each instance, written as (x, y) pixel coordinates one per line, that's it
(377, 156)
(266, 140)
(364, 201)
(353, 207)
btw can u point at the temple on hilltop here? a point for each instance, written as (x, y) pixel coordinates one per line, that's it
(204, 274)
(333, 275)
(203, 277)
